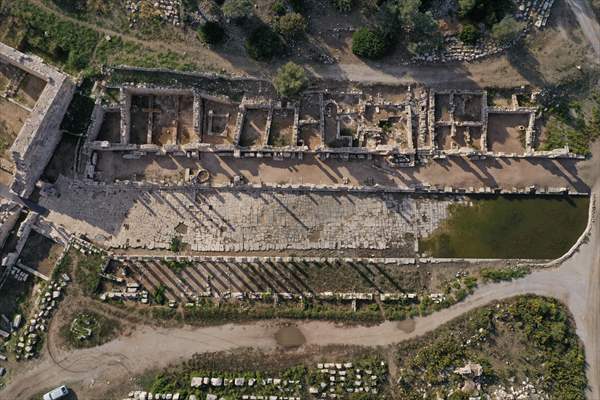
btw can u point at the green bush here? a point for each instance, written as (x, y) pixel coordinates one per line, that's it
(159, 295)
(504, 274)
(176, 244)
(298, 6)
(507, 30)
(211, 32)
(290, 80)
(291, 25)
(263, 44)
(488, 12)
(469, 34)
(279, 8)
(369, 43)
(237, 9)
(343, 5)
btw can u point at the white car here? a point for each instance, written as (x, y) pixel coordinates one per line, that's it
(60, 392)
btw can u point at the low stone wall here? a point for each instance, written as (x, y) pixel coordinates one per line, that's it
(145, 185)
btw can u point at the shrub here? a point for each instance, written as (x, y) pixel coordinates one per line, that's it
(290, 80)
(211, 33)
(504, 274)
(298, 6)
(291, 25)
(426, 30)
(87, 273)
(484, 11)
(279, 8)
(369, 43)
(72, 6)
(176, 244)
(507, 30)
(159, 295)
(237, 9)
(343, 5)
(469, 34)
(263, 44)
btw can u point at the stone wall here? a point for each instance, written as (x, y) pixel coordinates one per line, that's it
(37, 140)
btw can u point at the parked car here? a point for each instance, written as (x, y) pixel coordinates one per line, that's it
(60, 392)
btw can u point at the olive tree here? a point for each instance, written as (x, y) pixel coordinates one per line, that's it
(290, 80)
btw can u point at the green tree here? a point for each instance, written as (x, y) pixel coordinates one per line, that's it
(425, 36)
(237, 9)
(279, 8)
(343, 5)
(466, 7)
(408, 11)
(369, 43)
(176, 244)
(290, 80)
(211, 32)
(484, 11)
(469, 34)
(507, 30)
(291, 25)
(263, 44)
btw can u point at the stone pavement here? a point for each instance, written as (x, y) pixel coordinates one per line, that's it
(235, 221)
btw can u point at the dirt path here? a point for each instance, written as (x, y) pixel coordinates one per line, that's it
(588, 22)
(576, 283)
(491, 72)
(209, 58)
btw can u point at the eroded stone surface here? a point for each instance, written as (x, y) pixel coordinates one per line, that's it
(227, 220)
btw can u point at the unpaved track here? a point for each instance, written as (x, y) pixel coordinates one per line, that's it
(588, 22)
(576, 283)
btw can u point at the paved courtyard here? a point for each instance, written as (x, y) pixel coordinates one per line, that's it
(230, 221)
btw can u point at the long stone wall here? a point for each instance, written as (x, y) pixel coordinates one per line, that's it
(39, 136)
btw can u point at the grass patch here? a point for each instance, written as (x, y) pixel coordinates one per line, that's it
(525, 337)
(504, 274)
(178, 266)
(89, 329)
(62, 42)
(75, 47)
(87, 273)
(573, 122)
(64, 266)
(509, 227)
(250, 364)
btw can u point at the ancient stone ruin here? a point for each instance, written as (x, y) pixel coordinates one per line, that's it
(40, 134)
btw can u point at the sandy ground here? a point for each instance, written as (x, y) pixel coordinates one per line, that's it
(589, 24)
(457, 172)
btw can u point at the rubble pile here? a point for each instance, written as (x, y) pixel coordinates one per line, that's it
(525, 391)
(168, 10)
(333, 378)
(289, 387)
(18, 274)
(47, 303)
(141, 395)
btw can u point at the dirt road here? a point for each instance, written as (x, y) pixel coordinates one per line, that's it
(491, 72)
(576, 282)
(588, 22)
